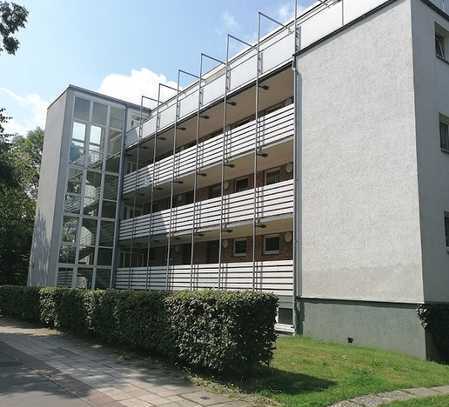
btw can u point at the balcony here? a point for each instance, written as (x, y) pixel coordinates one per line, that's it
(275, 127)
(270, 276)
(276, 50)
(273, 201)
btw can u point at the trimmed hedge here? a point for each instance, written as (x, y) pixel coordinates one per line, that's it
(435, 319)
(220, 331)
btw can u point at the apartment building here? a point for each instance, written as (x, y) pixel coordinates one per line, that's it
(313, 165)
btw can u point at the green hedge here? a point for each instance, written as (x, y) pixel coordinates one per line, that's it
(435, 319)
(220, 331)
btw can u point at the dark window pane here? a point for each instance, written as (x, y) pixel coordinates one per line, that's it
(241, 184)
(444, 136)
(214, 191)
(102, 278)
(110, 187)
(114, 142)
(271, 245)
(74, 182)
(72, 203)
(104, 257)
(240, 247)
(108, 210)
(82, 107)
(106, 233)
(446, 227)
(440, 46)
(113, 164)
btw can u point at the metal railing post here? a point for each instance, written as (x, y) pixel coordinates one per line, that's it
(150, 225)
(175, 131)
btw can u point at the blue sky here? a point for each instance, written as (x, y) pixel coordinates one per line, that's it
(123, 48)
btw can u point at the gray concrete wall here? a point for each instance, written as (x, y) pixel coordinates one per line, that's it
(44, 250)
(431, 77)
(360, 230)
(387, 326)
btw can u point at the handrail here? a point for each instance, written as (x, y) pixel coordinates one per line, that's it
(274, 127)
(275, 200)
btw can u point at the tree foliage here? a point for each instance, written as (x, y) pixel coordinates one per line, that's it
(12, 18)
(19, 165)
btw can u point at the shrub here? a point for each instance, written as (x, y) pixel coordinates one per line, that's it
(221, 331)
(435, 319)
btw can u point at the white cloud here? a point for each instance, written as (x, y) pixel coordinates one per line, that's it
(131, 87)
(286, 11)
(33, 111)
(229, 21)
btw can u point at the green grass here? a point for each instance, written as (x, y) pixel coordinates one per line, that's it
(440, 401)
(310, 373)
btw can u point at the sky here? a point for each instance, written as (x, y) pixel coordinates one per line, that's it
(120, 48)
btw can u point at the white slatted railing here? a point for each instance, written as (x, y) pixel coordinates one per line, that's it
(271, 276)
(274, 127)
(272, 200)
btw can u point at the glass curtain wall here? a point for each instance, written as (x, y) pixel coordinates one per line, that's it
(87, 238)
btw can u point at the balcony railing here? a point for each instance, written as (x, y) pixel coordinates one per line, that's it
(273, 128)
(270, 276)
(276, 50)
(272, 200)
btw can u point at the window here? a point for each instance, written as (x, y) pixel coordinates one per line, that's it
(444, 133)
(117, 118)
(212, 248)
(69, 229)
(77, 144)
(100, 114)
(240, 247)
(441, 41)
(242, 184)
(272, 176)
(84, 278)
(271, 244)
(82, 107)
(446, 227)
(102, 278)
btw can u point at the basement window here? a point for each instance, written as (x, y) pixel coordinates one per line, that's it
(240, 247)
(271, 244)
(441, 42)
(444, 133)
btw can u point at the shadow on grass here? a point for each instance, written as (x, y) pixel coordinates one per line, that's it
(268, 381)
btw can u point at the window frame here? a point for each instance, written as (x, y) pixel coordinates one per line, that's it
(441, 42)
(446, 228)
(237, 180)
(444, 144)
(270, 171)
(271, 252)
(234, 252)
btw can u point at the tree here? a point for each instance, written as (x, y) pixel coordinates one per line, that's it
(17, 206)
(12, 17)
(7, 176)
(27, 154)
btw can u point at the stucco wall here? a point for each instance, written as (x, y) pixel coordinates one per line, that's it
(43, 253)
(360, 229)
(432, 98)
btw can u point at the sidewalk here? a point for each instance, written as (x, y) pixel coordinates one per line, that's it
(42, 367)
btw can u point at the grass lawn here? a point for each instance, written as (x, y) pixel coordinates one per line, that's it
(442, 401)
(307, 372)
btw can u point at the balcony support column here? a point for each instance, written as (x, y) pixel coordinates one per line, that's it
(172, 184)
(150, 226)
(297, 210)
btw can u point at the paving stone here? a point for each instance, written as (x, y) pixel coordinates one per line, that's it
(345, 403)
(422, 392)
(396, 395)
(134, 403)
(205, 398)
(369, 401)
(153, 399)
